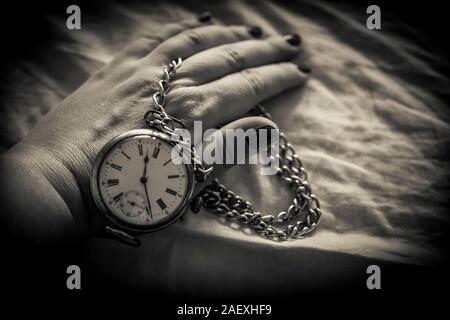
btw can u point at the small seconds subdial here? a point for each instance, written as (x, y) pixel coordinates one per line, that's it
(133, 204)
(139, 183)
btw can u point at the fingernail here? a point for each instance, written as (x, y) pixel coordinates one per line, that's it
(205, 17)
(255, 31)
(293, 39)
(304, 69)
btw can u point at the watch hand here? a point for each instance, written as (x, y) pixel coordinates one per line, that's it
(134, 204)
(144, 182)
(149, 207)
(146, 164)
(140, 207)
(149, 213)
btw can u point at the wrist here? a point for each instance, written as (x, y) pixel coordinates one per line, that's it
(42, 199)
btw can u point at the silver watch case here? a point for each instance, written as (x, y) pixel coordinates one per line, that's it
(114, 219)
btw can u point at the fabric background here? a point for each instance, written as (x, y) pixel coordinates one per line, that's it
(370, 126)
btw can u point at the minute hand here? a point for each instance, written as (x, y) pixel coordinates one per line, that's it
(144, 181)
(149, 207)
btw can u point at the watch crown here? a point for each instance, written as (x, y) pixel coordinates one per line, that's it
(196, 204)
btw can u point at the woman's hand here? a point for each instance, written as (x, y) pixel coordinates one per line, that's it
(226, 71)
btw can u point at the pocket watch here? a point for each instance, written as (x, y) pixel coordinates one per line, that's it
(136, 184)
(139, 188)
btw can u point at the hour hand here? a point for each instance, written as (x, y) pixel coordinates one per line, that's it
(145, 165)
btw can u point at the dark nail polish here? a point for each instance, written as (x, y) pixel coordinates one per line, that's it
(205, 17)
(255, 31)
(304, 69)
(293, 39)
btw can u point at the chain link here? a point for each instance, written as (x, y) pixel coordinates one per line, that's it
(157, 118)
(216, 198)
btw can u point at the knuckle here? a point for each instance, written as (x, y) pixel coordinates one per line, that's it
(146, 42)
(195, 102)
(234, 58)
(253, 81)
(142, 83)
(239, 32)
(170, 29)
(173, 29)
(147, 80)
(183, 82)
(117, 70)
(183, 26)
(141, 46)
(193, 36)
(187, 104)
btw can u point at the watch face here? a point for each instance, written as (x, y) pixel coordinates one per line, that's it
(136, 183)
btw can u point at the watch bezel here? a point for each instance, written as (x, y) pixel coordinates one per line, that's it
(95, 188)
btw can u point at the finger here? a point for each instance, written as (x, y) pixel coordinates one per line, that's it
(144, 44)
(234, 95)
(248, 137)
(198, 39)
(217, 62)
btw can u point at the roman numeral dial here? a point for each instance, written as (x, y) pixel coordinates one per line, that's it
(112, 182)
(116, 166)
(139, 183)
(156, 151)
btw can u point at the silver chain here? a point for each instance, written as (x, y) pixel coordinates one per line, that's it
(302, 216)
(157, 118)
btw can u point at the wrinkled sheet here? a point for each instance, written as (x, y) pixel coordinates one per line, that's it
(369, 125)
